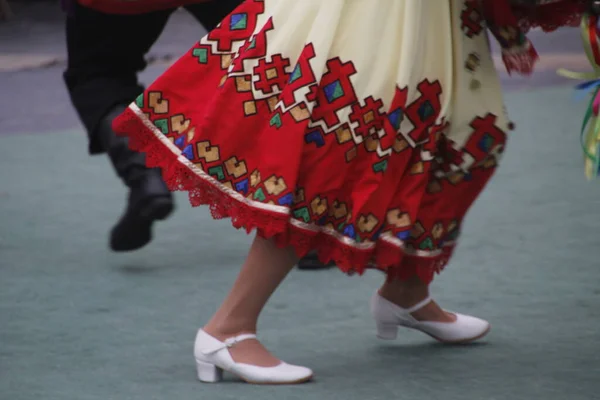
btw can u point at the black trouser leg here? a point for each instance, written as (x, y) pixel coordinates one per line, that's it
(105, 53)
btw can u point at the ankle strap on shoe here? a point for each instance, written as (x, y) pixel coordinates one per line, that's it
(419, 305)
(228, 343)
(240, 338)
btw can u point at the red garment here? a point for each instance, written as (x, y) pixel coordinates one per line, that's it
(510, 20)
(551, 14)
(236, 153)
(546, 14)
(248, 156)
(135, 6)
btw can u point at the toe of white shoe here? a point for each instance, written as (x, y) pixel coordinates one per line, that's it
(464, 330)
(281, 374)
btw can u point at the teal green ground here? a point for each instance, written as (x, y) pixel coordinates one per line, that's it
(80, 323)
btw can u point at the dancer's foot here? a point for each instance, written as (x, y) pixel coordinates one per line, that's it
(408, 304)
(149, 198)
(228, 343)
(245, 357)
(149, 201)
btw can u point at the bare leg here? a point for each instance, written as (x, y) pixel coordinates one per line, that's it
(264, 269)
(408, 293)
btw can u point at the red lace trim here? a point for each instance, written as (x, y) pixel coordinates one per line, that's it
(551, 16)
(385, 257)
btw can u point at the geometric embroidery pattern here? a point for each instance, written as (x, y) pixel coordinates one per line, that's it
(471, 18)
(368, 136)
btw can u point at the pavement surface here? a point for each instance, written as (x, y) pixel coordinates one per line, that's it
(80, 323)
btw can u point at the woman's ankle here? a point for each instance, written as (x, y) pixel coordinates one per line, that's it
(410, 293)
(223, 331)
(404, 293)
(250, 352)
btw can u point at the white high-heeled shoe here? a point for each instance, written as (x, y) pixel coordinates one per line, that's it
(213, 357)
(388, 317)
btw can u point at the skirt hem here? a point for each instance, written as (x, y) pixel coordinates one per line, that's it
(388, 255)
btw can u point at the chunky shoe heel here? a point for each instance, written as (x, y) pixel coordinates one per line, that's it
(209, 373)
(387, 331)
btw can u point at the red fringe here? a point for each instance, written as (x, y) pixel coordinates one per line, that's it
(385, 257)
(522, 62)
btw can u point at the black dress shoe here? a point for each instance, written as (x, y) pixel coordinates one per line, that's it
(149, 201)
(149, 198)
